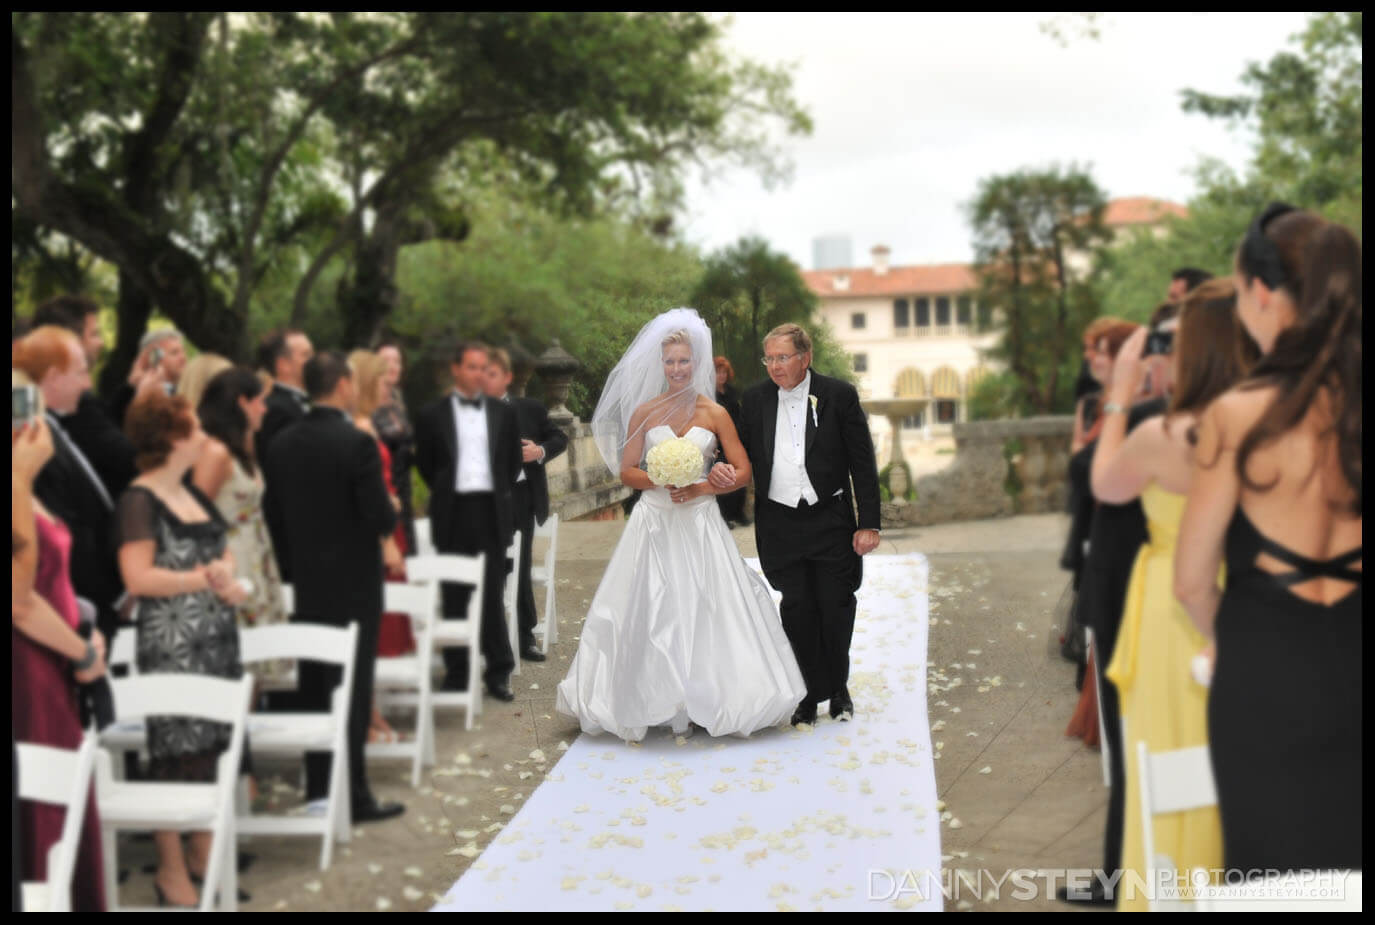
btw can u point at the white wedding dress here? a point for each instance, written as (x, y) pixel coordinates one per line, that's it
(680, 628)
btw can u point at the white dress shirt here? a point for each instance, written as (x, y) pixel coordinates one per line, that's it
(474, 470)
(789, 484)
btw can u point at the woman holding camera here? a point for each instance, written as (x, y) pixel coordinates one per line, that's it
(47, 655)
(1276, 493)
(1160, 702)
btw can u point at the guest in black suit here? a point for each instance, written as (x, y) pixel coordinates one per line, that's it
(540, 441)
(69, 485)
(283, 356)
(808, 439)
(91, 426)
(327, 501)
(467, 448)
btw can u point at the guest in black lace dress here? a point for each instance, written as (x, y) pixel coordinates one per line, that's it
(173, 556)
(1277, 489)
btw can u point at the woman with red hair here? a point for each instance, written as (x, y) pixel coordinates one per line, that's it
(732, 505)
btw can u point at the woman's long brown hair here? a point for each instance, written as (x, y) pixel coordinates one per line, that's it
(1212, 350)
(1318, 263)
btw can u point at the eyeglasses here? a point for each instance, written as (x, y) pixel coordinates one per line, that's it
(778, 360)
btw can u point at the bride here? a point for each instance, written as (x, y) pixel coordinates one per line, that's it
(680, 630)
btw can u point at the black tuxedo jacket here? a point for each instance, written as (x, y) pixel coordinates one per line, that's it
(533, 420)
(284, 408)
(69, 493)
(839, 449)
(436, 457)
(327, 506)
(102, 439)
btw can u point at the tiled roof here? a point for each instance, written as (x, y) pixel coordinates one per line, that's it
(941, 278)
(946, 278)
(1141, 210)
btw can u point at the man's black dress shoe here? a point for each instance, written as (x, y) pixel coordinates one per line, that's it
(805, 713)
(373, 811)
(842, 707)
(532, 654)
(1093, 896)
(501, 692)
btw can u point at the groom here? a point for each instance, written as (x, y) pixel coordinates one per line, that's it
(807, 438)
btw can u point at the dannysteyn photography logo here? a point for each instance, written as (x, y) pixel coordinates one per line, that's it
(1164, 886)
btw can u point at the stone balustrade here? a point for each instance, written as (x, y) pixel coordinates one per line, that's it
(976, 483)
(580, 485)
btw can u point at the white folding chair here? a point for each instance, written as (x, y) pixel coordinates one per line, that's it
(297, 733)
(62, 778)
(1103, 750)
(424, 540)
(1170, 782)
(411, 675)
(124, 650)
(463, 570)
(542, 573)
(288, 680)
(1269, 895)
(510, 597)
(144, 806)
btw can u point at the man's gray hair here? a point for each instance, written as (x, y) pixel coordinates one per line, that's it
(157, 336)
(800, 341)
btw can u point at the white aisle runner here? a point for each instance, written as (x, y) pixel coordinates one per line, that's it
(783, 820)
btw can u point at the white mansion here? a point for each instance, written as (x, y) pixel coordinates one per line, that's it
(919, 331)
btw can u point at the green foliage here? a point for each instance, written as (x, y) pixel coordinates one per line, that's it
(527, 277)
(1305, 106)
(747, 290)
(228, 162)
(1027, 225)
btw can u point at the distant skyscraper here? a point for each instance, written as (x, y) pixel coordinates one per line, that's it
(832, 252)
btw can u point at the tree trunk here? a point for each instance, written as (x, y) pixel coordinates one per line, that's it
(132, 311)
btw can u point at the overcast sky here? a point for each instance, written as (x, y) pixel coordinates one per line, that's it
(912, 110)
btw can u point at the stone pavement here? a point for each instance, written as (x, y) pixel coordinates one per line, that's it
(1024, 796)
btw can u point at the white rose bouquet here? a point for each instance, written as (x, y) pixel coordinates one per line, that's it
(674, 462)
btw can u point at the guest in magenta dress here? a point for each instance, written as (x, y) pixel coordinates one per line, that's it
(44, 648)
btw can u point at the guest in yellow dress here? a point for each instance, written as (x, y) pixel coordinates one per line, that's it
(1161, 703)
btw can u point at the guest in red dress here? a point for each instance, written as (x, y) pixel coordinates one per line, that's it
(43, 648)
(394, 636)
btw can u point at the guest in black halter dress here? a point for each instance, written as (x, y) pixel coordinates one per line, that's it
(1280, 456)
(1284, 711)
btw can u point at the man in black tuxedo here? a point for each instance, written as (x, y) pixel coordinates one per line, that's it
(540, 442)
(69, 485)
(282, 355)
(91, 427)
(467, 449)
(328, 503)
(808, 439)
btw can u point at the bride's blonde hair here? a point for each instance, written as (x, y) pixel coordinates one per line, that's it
(676, 337)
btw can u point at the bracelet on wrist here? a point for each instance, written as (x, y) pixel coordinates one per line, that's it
(88, 659)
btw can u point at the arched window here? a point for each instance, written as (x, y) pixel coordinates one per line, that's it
(945, 383)
(910, 384)
(974, 377)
